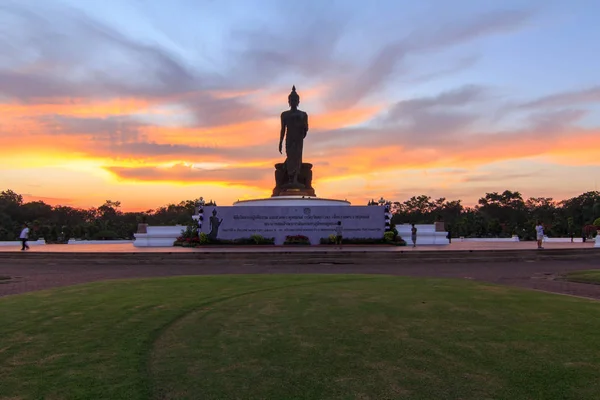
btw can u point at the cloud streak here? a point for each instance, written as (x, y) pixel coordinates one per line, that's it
(381, 68)
(66, 64)
(566, 99)
(180, 173)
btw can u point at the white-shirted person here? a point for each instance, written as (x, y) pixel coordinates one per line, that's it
(539, 232)
(24, 236)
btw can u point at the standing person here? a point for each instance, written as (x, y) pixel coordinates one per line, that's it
(338, 233)
(413, 235)
(539, 232)
(24, 236)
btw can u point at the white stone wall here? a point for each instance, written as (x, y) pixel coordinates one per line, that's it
(426, 234)
(75, 241)
(158, 236)
(18, 243)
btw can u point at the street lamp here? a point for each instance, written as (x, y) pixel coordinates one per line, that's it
(199, 213)
(388, 215)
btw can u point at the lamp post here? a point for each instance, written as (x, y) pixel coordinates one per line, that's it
(387, 212)
(200, 211)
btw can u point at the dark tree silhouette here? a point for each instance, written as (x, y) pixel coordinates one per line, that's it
(495, 215)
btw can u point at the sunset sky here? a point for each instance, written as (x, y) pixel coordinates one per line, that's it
(151, 102)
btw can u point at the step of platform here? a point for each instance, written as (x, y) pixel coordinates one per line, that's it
(297, 258)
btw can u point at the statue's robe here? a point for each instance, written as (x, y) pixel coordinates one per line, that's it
(296, 123)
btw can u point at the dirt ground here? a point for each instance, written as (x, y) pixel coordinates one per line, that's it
(47, 273)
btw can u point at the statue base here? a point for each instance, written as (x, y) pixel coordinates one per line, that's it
(284, 188)
(292, 185)
(296, 192)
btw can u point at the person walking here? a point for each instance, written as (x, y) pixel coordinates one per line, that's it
(413, 235)
(339, 234)
(539, 232)
(24, 236)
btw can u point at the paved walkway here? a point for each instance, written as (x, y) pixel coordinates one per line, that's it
(129, 248)
(48, 273)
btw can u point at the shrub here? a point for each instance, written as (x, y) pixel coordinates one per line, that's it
(191, 242)
(389, 236)
(328, 240)
(203, 238)
(296, 239)
(6, 235)
(258, 239)
(190, 231)
(239, 241)
(399, 241)
(394, 230)
(106, 235)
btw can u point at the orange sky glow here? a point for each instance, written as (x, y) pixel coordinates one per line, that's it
(78, 169)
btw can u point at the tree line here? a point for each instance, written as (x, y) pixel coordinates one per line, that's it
(57, 224)
(495, 215)
(505, 214)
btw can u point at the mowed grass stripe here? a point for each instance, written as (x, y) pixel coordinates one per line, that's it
(150, 388)
(384, 338)
(92, 341)
(588, 276)
(298, 336)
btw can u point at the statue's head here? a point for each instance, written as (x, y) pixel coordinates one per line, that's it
(293, 98)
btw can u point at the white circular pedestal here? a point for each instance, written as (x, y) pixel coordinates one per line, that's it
(290, 201)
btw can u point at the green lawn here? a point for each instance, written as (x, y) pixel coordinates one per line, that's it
(298, 337)
(589, 276)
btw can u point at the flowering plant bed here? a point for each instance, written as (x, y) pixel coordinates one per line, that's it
(296, 240)
(386, 240)
(204, 240)
(187, 242)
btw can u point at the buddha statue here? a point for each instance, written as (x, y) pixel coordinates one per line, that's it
(294, 127)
